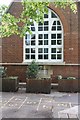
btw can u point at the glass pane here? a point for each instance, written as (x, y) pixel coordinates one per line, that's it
(46, 22)
(45, 16)
(32, 56)
(33, 28)
(53, 28)
(40, 36)
(58, 36)
(45, 50)
(53, 50)
(53, 42)
(45, 28)
(46, 56)
(59, 56)
(27, 50)
(27, 57)
(32, 50)
(40, 56)
(45, 42)
(40, 50)
(32, 24)
(53, 36)
(54, 23)
(27, 40)
(53, 15)
(40, 42)
(53, 56)
(59, 42)
(26, 36)
(40, 23)
(58, 27)
(45, 36)
(59, 50)
(33, 42)
(58, 22)
(33, 36)
(40, 28)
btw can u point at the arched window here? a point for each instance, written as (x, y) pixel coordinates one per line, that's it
(46, 42)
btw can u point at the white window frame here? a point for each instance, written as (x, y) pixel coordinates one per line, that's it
(49, 46)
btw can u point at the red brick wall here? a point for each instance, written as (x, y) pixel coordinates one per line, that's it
(65, 71)
(17, 70)
(15, 9)
(12, 47)
(79, 38)
(0, 50)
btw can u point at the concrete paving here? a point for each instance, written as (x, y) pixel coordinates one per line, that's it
(70, 112)
(27, 105)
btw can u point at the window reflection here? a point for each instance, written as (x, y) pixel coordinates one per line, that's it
(27, 40)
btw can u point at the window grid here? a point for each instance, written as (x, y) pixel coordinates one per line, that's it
(47, 40)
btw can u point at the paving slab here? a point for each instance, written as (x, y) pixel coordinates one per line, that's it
(69, 113)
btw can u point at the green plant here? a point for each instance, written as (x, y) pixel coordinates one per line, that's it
(32, 70)
(33, 11)
(59, 77)
(2, 71)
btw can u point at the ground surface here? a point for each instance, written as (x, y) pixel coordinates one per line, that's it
(25, 105)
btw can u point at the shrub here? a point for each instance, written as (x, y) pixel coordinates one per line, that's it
(2, 71)
(59, 77)
(32, 70)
